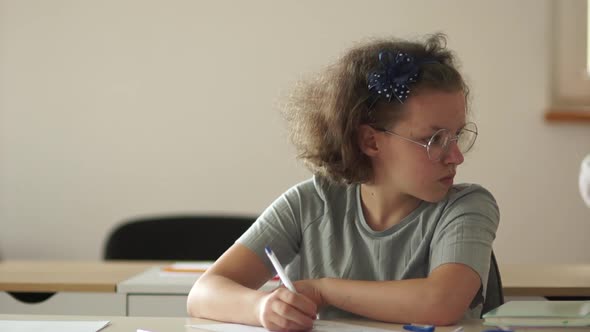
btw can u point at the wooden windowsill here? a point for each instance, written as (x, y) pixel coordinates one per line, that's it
(572, 116)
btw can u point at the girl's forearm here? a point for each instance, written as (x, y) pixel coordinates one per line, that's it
(219, 298)
(400, 301)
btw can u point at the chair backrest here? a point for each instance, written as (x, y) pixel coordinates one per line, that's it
(175, 237)
(494, 293)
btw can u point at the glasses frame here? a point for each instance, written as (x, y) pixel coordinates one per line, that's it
(427, 145)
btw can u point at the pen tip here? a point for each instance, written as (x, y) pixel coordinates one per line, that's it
(267, 249)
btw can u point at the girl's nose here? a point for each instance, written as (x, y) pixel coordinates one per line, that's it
(454, 154)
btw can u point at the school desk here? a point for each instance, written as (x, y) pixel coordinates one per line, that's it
(564, 280)
(151, 290)
(142, 289)
(96, 288)
(72, 287)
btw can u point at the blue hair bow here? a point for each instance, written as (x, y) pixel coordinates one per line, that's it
(395, 76)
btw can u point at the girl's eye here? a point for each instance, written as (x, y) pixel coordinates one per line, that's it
(437, 139)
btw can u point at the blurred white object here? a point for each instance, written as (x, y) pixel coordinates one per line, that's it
(585, 180)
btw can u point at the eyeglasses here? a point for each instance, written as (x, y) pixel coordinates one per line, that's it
(438, 145)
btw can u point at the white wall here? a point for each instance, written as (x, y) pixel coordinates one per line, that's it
(117, 108)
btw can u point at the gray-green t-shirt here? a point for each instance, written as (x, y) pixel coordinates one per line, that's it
(317, 229)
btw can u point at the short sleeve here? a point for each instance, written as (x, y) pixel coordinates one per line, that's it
(279, 226)
(465, 233)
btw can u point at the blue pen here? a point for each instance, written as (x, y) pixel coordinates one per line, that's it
(419, 328)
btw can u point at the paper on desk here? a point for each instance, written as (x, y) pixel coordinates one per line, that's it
(319, 326)
(52, 326)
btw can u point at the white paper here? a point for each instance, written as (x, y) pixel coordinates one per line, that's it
(319, 326)
(52, 326)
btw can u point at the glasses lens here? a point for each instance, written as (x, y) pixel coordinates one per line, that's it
(467, 137)
(438, 144)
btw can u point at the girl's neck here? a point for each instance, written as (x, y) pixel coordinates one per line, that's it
(384, 208)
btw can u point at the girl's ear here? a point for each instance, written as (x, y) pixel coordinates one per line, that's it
(367, 140)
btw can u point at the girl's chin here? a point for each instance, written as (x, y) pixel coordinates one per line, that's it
(435, 197)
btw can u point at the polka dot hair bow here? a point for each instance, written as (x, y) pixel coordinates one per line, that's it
(395, 77)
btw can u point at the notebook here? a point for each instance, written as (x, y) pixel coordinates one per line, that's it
(540, 313)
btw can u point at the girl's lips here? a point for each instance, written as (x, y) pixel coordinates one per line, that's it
(448, 180)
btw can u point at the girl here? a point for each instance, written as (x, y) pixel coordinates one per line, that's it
(380, 231)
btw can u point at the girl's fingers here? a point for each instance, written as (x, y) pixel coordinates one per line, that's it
(299, 302)
(293, 318)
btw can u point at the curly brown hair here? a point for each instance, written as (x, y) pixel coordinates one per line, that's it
(324, 113)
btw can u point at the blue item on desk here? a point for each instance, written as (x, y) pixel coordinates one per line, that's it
(419, 328)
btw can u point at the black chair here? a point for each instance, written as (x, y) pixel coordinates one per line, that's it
(175, 237)
(494, 293)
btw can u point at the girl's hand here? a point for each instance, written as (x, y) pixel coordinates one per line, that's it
(284, 310)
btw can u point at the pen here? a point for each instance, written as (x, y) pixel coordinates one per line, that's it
(419, 328)
(282, 275)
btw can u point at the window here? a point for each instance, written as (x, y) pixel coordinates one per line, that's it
(571, 61)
